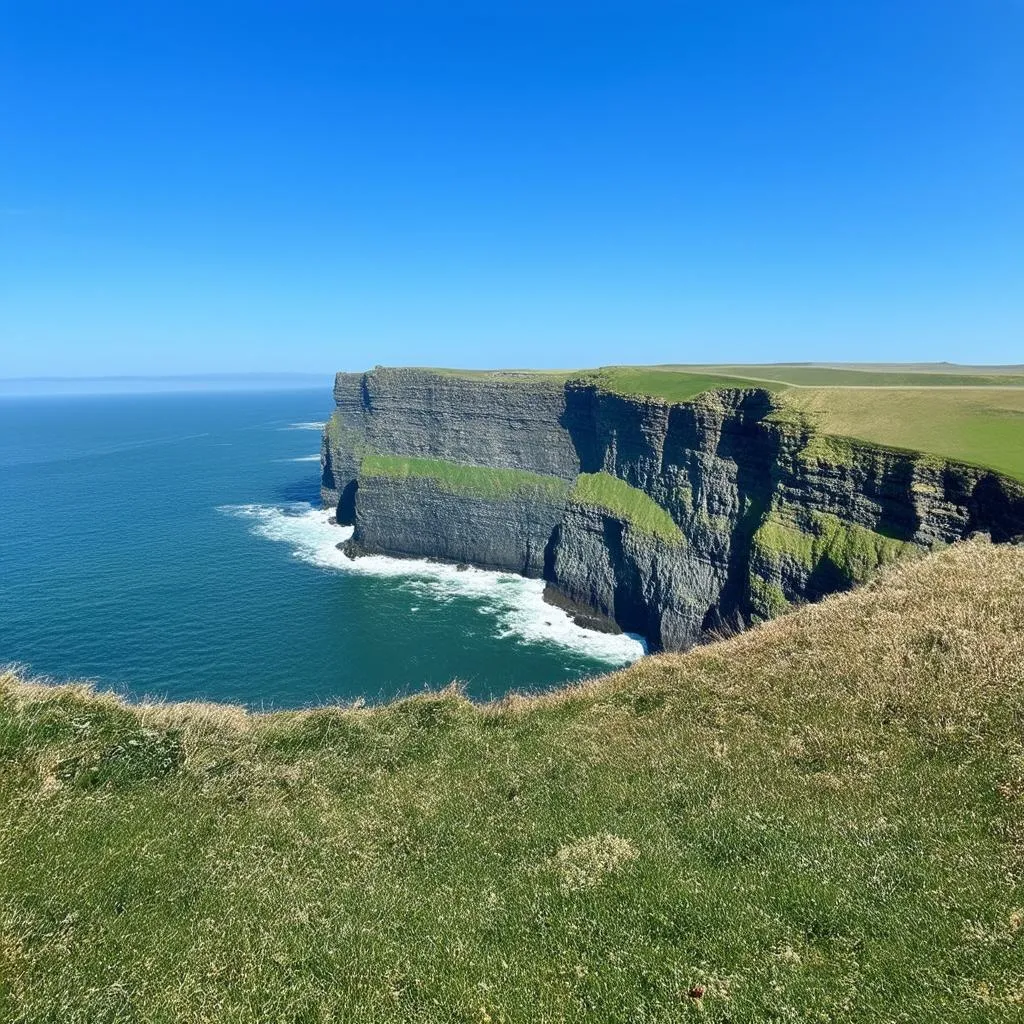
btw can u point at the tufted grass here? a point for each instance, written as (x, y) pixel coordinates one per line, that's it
(819, 820)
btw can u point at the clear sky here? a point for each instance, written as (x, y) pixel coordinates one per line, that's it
(298, 186)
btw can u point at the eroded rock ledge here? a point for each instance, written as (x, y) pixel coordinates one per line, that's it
(674, 520)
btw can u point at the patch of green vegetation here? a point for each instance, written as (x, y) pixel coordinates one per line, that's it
(343, 438)
(607, 492)
(669, 385)
(980, 426)
(829, 450)
(853, 551)
(767, 598)
(471, 481)
(712, 523)
(779, 535)
(819, 820)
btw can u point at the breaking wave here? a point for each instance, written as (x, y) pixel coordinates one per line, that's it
(514, 603)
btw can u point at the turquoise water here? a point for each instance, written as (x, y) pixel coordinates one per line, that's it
(172, 546)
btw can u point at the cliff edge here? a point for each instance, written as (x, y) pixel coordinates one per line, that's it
(675, 520)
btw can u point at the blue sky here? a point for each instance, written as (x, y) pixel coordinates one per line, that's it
(302, 186)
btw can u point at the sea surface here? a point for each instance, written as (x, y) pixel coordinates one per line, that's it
(173, 546)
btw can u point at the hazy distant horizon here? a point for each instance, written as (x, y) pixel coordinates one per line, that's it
(135, 383)
(141, 383)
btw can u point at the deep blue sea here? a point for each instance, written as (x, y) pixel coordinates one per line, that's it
(172, 546)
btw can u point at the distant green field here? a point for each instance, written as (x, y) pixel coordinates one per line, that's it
(505, 376)
(476, 481)
(982, 426)
(841, 376)
(670, 385)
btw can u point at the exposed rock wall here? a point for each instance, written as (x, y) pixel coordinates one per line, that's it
(417, 518)
(771, 512)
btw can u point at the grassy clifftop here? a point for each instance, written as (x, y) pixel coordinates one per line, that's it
(972, 414)
(821, 819)
(961, 413)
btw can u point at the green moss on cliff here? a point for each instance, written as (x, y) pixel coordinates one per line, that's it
(823, 449)
(767, 599)
(344, 439)
(609, 493)
(854, 551)
(470, 481)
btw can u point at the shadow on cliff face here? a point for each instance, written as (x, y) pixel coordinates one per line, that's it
(754, 451)
(346, 513)
(579, 419)
(995, 510)
(898, 517)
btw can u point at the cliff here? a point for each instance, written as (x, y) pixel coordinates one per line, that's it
(673, 520)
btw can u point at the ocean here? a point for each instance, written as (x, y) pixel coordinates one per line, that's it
(172, 546)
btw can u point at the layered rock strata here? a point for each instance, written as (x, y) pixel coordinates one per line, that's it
(675, 520)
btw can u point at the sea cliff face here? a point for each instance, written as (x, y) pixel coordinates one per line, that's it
(673, 520)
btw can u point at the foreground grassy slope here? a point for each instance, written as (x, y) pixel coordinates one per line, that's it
(821, 819)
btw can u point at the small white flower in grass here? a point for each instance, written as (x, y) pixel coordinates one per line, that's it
(584, 863)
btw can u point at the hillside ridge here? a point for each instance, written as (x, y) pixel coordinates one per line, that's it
(819, 819)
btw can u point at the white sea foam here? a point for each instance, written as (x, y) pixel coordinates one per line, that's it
(307, 458)
(304, 426)
(514, 604)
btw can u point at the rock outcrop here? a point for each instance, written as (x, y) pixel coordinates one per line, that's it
(717, 512)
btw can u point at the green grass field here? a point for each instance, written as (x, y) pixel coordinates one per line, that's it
(984, 426)
(923, 375)
(819, 820)
(474, 481)
(668, 384)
